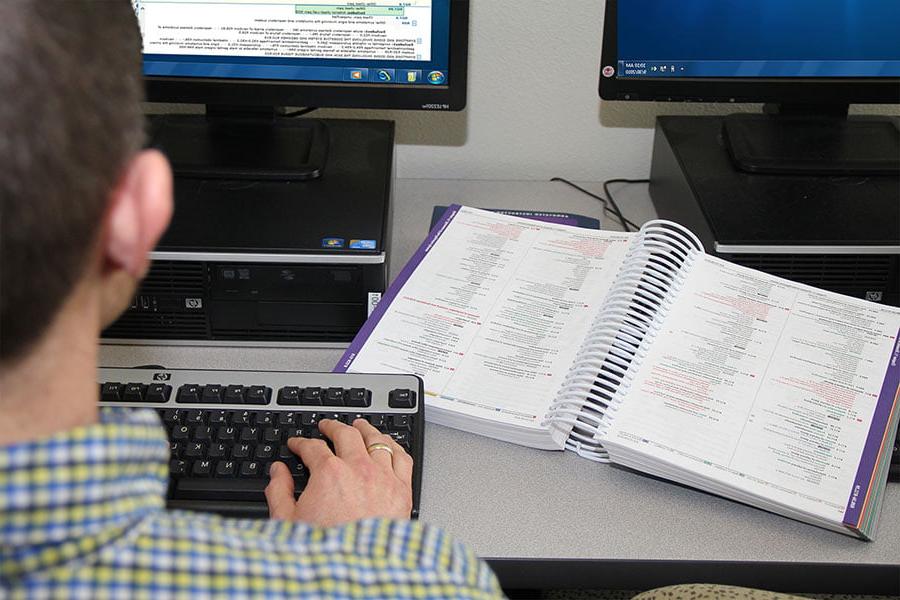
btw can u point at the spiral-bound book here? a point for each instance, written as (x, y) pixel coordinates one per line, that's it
(641, 350)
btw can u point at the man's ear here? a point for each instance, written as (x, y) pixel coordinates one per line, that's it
(139, 211)
(140, 208)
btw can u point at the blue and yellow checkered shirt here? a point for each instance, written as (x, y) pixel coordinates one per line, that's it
(82, 516)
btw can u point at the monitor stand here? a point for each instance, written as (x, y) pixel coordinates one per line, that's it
(812, 140)
(243, 143)
(840, 233)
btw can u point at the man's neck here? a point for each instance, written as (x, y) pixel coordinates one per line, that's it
(53, 388)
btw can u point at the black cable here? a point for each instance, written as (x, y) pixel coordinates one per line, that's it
(606, 202)
(612, 200)
(300, 113)
(603, 200)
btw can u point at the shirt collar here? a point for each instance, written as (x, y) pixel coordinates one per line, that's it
(64, 495)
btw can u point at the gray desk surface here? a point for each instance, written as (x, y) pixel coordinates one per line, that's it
(551, 519)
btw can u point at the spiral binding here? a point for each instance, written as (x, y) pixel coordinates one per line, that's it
(653, 271)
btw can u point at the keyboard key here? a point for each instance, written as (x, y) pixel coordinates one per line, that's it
(250, 434)
(264, 418)
(217, 417)
(158, 392)
(242, 451)
(177, 468)
(287, 419)
(334, 396)
(202, 468)
(234, 394)
(203, 433)
(171, 416)
(401, 437)
(402, 399)
(264, 451)
(212, 394)
(311, 396)
(313, 433)
(234, 490)
(400, 423)
(285, 453)
(111, 392)
(258, 394)
(250, 469)
(226, 433)
(193, 416)
(359, 397)
(181, 432)
(289, 396)
(272, 434)
(134, 392)
(195, 450)
(309, 419)
(377, 420)
(219, 450)
(226, 468)
(188, 394)
(241, 417)
(298, 472)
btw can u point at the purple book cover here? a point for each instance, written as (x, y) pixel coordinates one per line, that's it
(887, 403)
(391, 294)
(559, 218)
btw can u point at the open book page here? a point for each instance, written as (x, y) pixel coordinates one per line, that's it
(765, 385)
(492, 314)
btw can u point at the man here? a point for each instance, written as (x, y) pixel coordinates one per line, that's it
(81, 492)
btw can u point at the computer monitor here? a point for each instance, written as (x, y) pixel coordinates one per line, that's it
(246, 58)
(812, 58)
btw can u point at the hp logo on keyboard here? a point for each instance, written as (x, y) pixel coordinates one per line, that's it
(162, 376)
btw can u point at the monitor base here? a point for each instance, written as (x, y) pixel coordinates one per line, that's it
(813, 144)
(837, 233)
(243, 143)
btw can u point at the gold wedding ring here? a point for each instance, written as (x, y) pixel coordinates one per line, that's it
(379, 446)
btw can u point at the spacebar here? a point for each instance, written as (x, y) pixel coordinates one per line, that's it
(234, 490)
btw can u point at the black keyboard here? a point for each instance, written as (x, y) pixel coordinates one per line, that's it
(225, 428)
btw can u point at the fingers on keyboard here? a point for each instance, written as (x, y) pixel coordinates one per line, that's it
(226, 455)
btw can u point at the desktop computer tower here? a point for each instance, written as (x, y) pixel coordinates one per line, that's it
(273, 262)
(836, 233)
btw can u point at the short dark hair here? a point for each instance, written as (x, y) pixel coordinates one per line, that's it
(70, 117)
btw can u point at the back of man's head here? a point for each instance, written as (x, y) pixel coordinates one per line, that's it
(69, 120)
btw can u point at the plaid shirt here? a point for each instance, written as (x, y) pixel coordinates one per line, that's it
(82, 516)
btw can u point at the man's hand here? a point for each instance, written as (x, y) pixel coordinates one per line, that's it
(345, 485)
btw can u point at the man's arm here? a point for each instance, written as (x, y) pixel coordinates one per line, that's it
(370, 475)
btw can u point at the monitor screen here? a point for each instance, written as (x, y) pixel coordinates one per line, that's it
(743, 47)
(378, 53)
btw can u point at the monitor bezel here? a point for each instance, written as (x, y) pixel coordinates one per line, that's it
(251, 92)
(795, 90)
